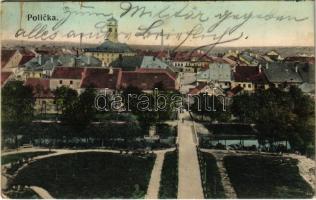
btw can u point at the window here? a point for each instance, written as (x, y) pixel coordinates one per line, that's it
(60, 82)
(243, 85)
(70, 82)
(249, 85)
(110, 30)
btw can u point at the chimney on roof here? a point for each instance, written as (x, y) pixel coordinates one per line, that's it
(296, 68)
(89, 59)
(260, 68)
(110, 70)
(84, 73)
(40, 59)
(267, 65)
(52, 60)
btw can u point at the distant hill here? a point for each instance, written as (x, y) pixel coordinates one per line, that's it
(284, 51)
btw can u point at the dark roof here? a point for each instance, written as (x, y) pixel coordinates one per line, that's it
(304, 59)
(146, 80)
(111, 47)
(249, 74)
(6, 56)
(305, 70)
(280, 73)
(234, 91)
(128, 63)
(26, 58)
(101, 78)
(67, 72)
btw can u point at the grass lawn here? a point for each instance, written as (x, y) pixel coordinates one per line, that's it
(18, 156)
(258, 176)
(214, 187)
(169, 176)
(90, 175)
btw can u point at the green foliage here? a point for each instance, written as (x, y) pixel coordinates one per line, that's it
(169, 176)
(214, 187)
(17, 102)
(278, 115)
(65, 97)
(91, 175)
(17, 108)
(210, 106)
(268, 177)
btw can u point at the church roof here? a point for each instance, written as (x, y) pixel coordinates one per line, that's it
(111, 47)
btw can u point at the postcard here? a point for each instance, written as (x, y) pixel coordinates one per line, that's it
(157, 100)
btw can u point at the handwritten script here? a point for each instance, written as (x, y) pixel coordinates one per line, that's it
(213, 28)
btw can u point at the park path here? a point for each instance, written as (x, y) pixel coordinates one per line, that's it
(41, 192)
(190, 185)
(154, 183)
(229, 190)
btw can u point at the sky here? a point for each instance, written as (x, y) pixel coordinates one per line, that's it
(261, 23)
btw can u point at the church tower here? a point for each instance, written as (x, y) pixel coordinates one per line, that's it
(112, 30)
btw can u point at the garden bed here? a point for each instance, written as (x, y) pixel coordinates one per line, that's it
(258, 176)
(90, 175)
(169, 176)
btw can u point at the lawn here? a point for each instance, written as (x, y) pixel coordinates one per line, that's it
(169, 176)
(90, 175)
(19, 156)
(213, 184)
(258, 176)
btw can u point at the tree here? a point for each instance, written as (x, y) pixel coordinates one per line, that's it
(64, 97)
(278, 115)
(210, 106)
(17, 107)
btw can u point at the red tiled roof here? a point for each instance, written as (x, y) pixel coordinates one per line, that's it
(171, 73)
(234, 91)
(4, 77)
(67, 72)
(40, 87)
(249, 74)
(5, 56)
(26, 58)
(197, 89)
(38, 82)
(146, 80)
(101, 78)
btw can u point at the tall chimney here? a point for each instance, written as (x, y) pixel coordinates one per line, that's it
(89, 60)
(40, 59)
(161, 34)
(260, 68)
(110, 70)
(296, 68)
